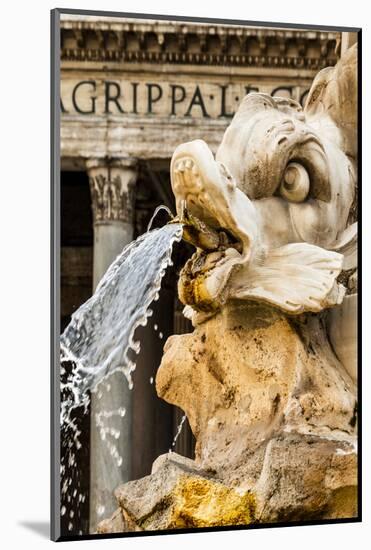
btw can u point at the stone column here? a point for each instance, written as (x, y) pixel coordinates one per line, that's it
(112, 192)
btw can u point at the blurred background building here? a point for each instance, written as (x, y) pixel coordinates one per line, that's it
(131, 91)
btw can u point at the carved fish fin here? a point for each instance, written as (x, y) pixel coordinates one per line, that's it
(296, 277)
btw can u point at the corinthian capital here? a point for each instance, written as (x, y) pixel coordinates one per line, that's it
(112, 186)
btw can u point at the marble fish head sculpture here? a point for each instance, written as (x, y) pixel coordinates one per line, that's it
(271, 214)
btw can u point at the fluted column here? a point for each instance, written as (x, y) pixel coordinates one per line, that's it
(112, 185)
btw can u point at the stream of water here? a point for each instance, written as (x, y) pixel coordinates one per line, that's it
(99, 341)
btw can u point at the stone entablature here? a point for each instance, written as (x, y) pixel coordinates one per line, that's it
(136, 88)
(133, 41)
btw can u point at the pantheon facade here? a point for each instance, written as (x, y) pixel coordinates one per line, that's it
(131, 91)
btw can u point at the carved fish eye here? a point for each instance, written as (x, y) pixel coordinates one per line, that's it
(296, 183)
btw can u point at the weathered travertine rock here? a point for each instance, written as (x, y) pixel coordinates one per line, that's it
(179, 495)
(275, 430)
(297, 478)
(119, 522)
(250, 373)
(115, 524)
(306, 477)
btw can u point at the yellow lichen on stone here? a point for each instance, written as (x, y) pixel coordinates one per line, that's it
(199, 502)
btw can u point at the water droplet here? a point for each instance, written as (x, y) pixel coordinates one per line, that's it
(100, 510)
(179, 430)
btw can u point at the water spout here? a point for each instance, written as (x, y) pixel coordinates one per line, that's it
(157, 210)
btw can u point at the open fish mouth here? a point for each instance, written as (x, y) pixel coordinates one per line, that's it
(218, 219)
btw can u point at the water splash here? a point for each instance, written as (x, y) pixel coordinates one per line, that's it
(100, 337)
(109, 434)
(99, 341)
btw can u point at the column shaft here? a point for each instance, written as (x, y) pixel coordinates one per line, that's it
(112, 197)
